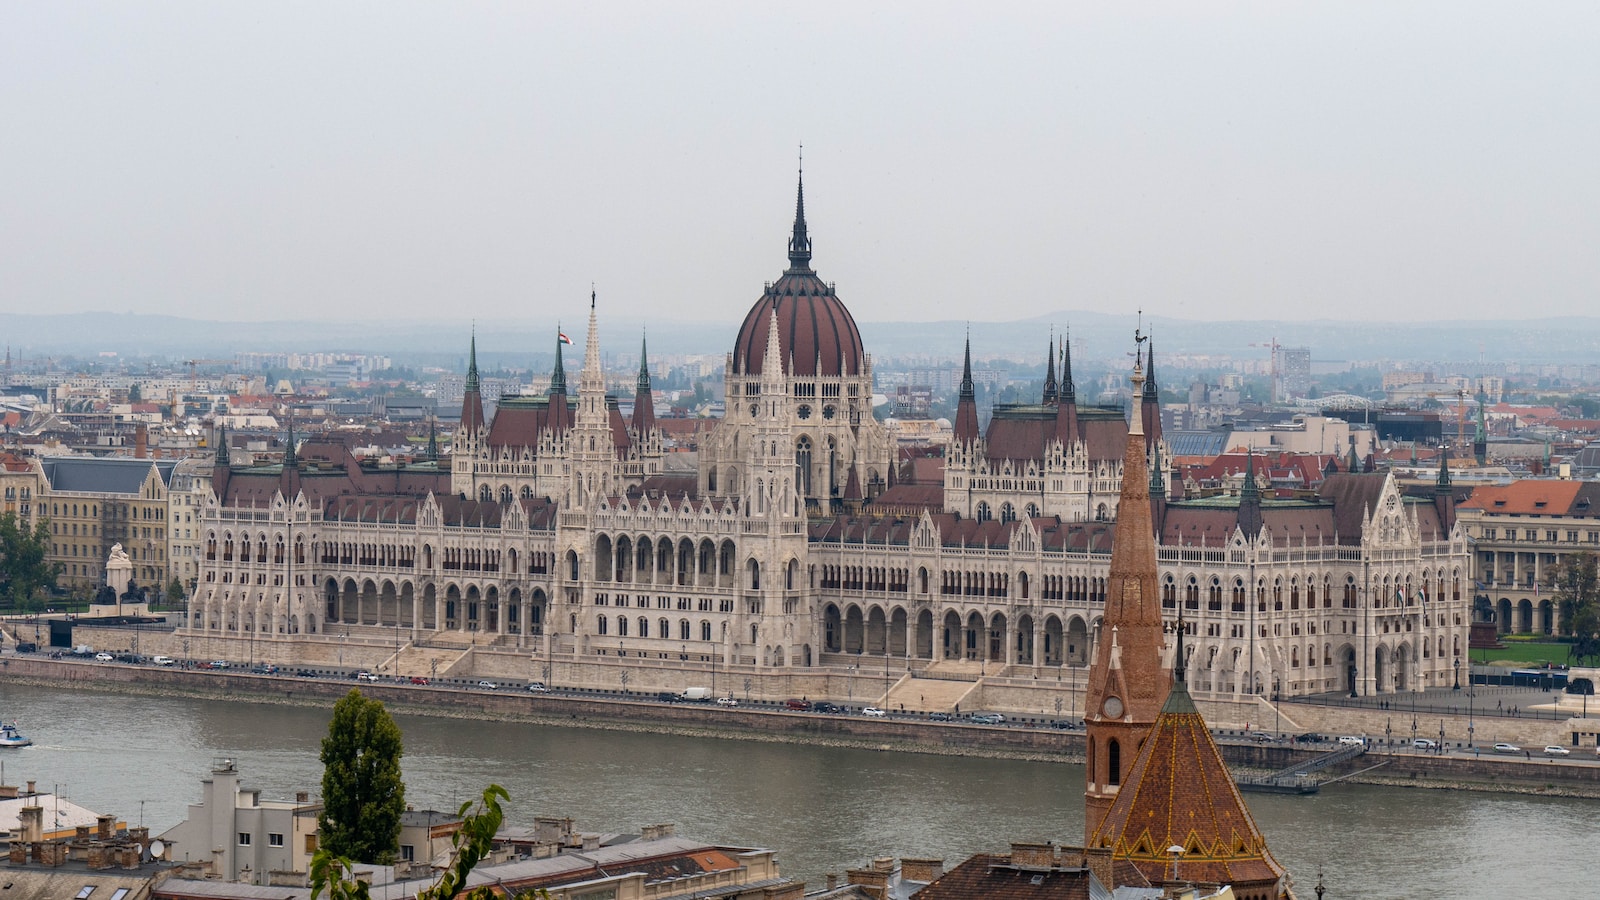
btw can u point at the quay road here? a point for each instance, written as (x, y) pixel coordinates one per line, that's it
(822, 807)
(936, 732)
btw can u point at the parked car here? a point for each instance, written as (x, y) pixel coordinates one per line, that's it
(727, 701)
(103, 656)
(160, 660)
(1352, 739)
(217, 664)
(488, 685)
(418, 679)
(986, 719)
(538, 687)
(1424, 744)
(1507, 748)
(823, 706)
(941, 717)
(667, 696)
(27, 647)
(1064, 724)
(1310, 737)
(366, 676)
(1557, 750)
(874, 712)
(799, 705)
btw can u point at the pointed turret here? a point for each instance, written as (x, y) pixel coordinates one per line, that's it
(1158, 493)
(559, 418)
(433, 439)
(1354, 464)
(799, 241)
(966, 427)
(221, 457)
(1051, 388)
(644, 404)
(1067, 402)
(471, 398)
(1151, 400)
(1249, 500)
(289, 458)
(1444, 494)
(1128, 681)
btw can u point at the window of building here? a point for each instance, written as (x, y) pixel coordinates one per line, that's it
(408, 852)
(87, 890)
(244, 838)
(274, 839)
(311, 843)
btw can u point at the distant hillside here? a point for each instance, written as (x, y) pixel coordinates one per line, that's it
(1096, 336)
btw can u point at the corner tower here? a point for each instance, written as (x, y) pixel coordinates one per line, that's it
(1127, 682)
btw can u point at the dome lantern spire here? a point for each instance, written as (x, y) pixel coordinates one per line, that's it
(799, 241)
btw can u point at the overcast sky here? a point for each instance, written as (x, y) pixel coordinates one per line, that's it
(475, 161)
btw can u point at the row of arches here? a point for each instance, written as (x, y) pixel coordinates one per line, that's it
(895, 633)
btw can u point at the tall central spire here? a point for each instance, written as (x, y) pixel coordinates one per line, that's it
(799, 242)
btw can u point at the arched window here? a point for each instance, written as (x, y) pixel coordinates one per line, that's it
(984, 514)
(705, 631)
(1008, 513)
(622, 626)
(1113, 762)
(644, 627)
(600, 625)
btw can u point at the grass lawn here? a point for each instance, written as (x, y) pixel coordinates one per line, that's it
(1522, 653)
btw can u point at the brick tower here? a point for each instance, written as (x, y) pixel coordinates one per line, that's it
(1127, 682)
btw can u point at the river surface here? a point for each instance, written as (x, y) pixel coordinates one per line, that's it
(824, 809)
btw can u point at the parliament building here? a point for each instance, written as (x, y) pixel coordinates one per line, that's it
(555, 532)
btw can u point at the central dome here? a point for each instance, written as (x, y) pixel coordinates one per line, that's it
(817, 334)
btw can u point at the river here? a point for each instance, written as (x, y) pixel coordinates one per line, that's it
(823, 808)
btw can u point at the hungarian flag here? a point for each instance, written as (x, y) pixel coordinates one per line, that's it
(562, 336)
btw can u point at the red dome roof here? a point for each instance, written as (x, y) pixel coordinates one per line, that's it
(817, 334)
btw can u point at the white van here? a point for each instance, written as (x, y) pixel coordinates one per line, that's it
(696, 695)
(1352, 739)
(163, 660)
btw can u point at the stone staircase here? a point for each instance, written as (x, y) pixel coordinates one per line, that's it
(918, 694)
(427, 662)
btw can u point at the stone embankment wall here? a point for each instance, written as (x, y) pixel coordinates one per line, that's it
(1488, 772)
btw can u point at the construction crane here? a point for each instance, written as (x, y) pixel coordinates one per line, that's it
(1277, 375)
(194, 365)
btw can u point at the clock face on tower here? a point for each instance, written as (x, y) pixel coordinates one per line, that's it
(1112, 707)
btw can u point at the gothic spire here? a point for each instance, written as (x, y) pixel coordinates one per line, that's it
(966, 427)
(644, 411)
(1051, 388)
(472, 363)
(643, 384)
(289, 458)
(1150, 371)
(471, 399)
(799, 242)
(1444, 469)
(222, 446)
(1069, 392)
(1249, 499)
(433, 438)
(558, 376)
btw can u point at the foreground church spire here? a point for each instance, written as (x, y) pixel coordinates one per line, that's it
(1051, 389)
(1127, 682)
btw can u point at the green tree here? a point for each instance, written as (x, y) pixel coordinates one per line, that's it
(336, 877)
(363, 795)
(24, 571)
(1575, 586)
(175, 593)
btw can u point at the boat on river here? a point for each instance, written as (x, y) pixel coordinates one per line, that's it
(11, 737)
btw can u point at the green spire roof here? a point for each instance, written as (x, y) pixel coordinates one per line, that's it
(558, 377)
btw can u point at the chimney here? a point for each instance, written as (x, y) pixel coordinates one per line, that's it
(103, 827)
(923, 870)
(1098, 861)
(832, 881)
(80, 833)
(141, 441)
(1033, 855)
(302, 797)
(8, 792)
(873, 882)
(31, 823)
(18, 853)
(31, 790)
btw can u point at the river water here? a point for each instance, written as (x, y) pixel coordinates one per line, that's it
(824, 809)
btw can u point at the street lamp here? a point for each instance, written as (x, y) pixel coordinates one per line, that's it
(1458, 674)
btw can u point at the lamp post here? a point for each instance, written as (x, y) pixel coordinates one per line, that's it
(1458, 674)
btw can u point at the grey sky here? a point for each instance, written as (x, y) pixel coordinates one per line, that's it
(459, 161)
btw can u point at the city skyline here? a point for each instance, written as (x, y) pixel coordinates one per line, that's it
(317, 163)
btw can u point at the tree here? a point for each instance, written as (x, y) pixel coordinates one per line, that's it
(363, 795)
(1575, 586)
(175, 592)
(24, 573)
